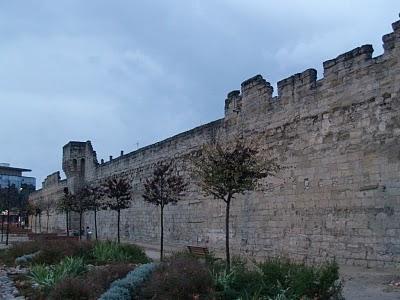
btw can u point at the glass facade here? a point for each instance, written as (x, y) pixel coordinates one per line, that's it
(10, 176)
(18, 181)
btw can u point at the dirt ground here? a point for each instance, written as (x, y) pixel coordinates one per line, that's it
(370, 284)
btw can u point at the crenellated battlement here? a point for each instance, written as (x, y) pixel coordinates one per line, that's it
(255, 97)
(392, 40)
(233, 103)
(296, 85)
(348, 61)
(52, 179)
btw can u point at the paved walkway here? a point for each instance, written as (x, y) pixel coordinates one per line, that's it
(370, 284)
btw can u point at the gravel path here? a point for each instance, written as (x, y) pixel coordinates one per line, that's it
(8, 290)
(370, 284)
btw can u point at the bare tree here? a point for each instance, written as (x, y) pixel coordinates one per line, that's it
(118, 191)
(163, 188)
(227, 171)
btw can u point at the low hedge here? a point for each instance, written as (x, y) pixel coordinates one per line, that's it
(27, 258)
(129, 286)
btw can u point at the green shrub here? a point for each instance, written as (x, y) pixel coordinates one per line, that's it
(105, 252)
(128, 287)
(239, 282)
(278, 279)
(89, 285)
(321, 282)
(179, 277)
(47, 276)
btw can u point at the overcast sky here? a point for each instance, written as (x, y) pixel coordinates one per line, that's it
(120, 73)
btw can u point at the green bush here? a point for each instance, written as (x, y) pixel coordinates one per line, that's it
(47, 276)
(321, 282)
(239, 282)
(128, 287)
(105, 252)
(279, 279)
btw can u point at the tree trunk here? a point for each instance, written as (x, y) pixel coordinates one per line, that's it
(228, 257)
(67, 221)
(162, 234)
(95, 223)
(80, 225)
(119, 216)
(8, 225)
(47, 224)
(2, 227)
(35, 223)
(40, 222)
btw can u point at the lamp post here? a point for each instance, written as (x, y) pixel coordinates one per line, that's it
(2, 225)
(8, 211)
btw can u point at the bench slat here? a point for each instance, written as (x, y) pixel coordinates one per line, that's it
(198, 251)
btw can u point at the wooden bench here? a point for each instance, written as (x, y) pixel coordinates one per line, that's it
(198, 251)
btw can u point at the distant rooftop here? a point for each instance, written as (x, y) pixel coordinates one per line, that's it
(7, 167)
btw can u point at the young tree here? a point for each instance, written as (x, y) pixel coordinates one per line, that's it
(30, 211)
(227, 171)
(94, 203)
(118, 191)
(163, 188)
(47, 206)
(23, 203)
(38, 215)
(81, 204)
(64, 205)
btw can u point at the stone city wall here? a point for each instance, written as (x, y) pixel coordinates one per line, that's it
(338, 195)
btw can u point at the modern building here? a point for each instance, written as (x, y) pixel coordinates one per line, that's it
(13, 176)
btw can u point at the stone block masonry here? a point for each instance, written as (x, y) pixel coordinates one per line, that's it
(338, 195)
